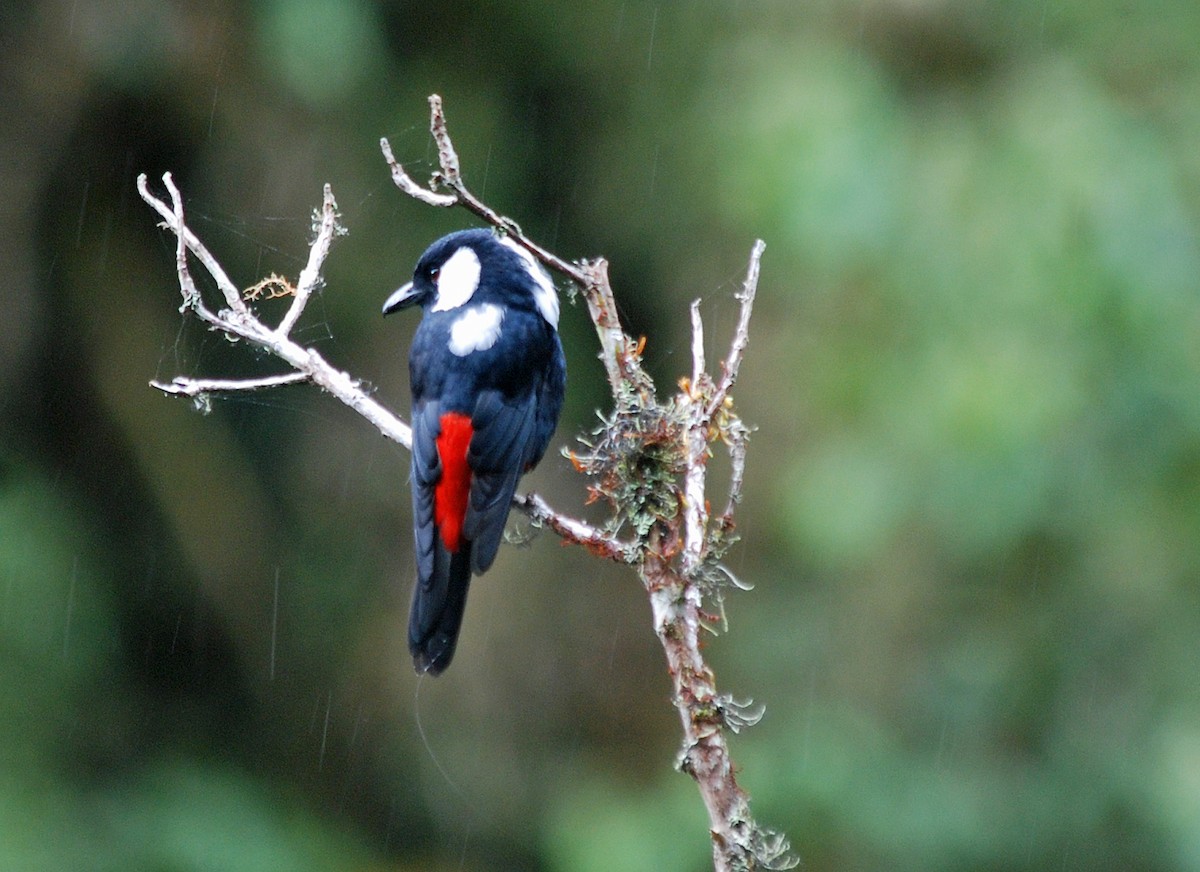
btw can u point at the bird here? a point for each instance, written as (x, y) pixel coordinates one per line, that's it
(488, 378)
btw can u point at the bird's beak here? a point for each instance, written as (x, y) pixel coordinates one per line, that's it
(403, 296)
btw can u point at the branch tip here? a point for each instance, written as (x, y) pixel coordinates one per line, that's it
(447, 156)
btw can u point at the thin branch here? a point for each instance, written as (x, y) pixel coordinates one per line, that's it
(173, 221)
(577, 532)
(406, 184)
(310, 276)
(741, 334)
(621, 362)
(196, 387)
(191, 296)
(450, 176)
(698, 368)
(238, 321)
(448, 157)
(736, 433)
(737, 474)
(695, 514)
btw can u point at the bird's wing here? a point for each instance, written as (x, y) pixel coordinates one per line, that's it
(500, 446)
(549, 404)
(426, 472)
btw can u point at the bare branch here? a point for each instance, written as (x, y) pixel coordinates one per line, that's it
(191, 296)
(239, 321)
(617, 350)
(698, 368)
(695, 514)
(447, 156)
(310, 276)
(741, 335)
(704, 753)
(450, 177)
(576, 532)
(173, 221)
(406, 184)
(196, 387)
(737, 474)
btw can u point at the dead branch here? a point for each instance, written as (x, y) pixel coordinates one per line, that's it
(240, 322)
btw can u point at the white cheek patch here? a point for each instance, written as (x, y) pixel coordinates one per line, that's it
(544, 294)
(476, 329)
(457, 280)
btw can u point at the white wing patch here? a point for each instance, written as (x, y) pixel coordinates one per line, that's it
(457, 280)
(544, 294)
(476, 329)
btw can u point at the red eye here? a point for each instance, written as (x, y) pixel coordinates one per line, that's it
(433, 273)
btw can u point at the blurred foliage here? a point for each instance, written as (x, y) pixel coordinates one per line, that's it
(973, 498)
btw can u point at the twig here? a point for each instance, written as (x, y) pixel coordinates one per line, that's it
(310, 276)
(239, 321)
(172, 220)
(577, 532)
(696, 452)
(441, 135)
(406, 184)
(735, 432)
(741, 334)
(737, 474)
(189, 387)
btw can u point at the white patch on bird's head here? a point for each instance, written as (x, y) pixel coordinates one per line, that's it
(543, 288)
(476, 329)
(457, 279)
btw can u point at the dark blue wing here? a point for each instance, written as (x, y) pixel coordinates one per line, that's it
(504, 430)
(511, 436)
(550, 402)
(426, 472)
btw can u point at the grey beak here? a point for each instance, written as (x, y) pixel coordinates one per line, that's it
(402, 297)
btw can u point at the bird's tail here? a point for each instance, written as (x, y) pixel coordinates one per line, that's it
(437, 609)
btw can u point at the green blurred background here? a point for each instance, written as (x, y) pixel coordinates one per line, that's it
(973, 501)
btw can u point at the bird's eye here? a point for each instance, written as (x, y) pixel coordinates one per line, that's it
(433, 273)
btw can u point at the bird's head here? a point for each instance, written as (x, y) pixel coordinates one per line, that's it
(476, 265)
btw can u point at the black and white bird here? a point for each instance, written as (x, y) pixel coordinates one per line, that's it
(488, 376)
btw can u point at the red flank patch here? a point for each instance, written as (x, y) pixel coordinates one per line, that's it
(451, 493)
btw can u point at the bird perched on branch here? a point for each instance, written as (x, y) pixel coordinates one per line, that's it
(488, 376)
